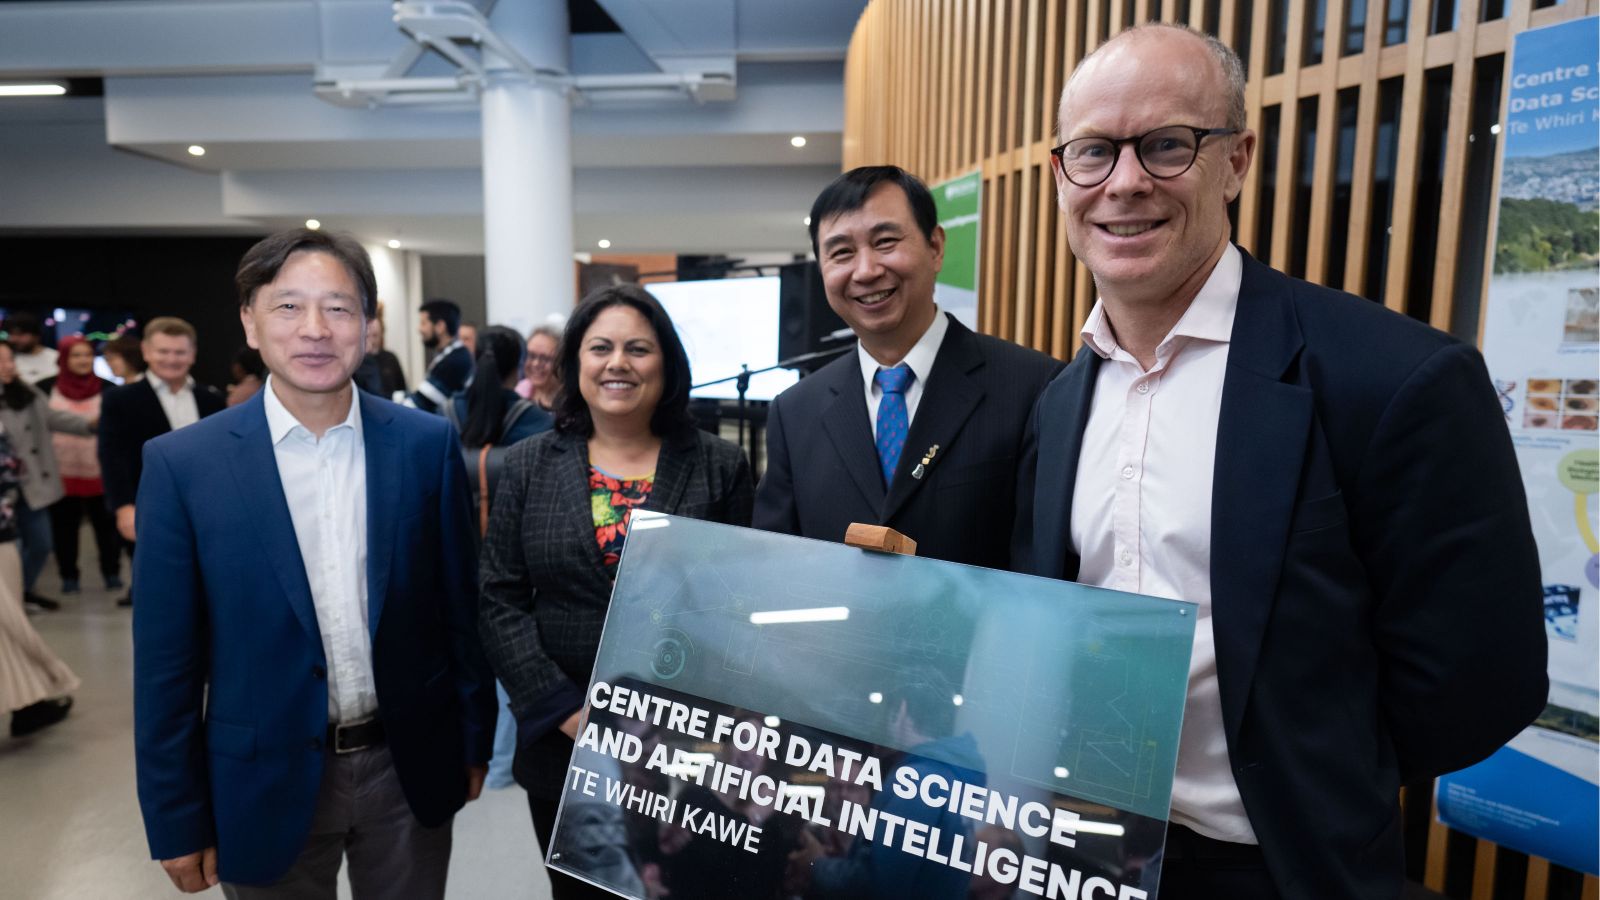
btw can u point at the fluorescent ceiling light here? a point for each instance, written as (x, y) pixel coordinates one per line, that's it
(1087, 827)
(32, 90)
(795, 616)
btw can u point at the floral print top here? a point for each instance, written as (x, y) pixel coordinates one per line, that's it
(610, 500)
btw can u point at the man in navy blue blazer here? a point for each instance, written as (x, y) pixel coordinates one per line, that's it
(308, 683)
(1331, 483)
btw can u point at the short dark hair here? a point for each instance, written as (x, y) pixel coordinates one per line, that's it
(249, 361)
(671, 418)
(446, 311)
(849, 192)
(262, 263)
(127, 348)
(24, 322)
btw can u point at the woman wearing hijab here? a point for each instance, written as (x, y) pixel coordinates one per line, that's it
(76, 389)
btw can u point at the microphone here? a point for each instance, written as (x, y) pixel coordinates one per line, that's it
(843, 334)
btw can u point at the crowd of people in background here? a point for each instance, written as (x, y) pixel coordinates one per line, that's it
(71, 447)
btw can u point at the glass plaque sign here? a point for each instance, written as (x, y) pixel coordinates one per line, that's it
(776, 717)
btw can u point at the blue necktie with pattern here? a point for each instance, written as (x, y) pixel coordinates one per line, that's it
(893, 420)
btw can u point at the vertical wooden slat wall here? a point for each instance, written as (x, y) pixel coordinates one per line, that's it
(944, 87)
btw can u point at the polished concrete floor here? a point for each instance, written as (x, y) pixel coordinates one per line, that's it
(69, 818)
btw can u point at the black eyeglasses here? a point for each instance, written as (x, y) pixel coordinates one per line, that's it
(1166, 152)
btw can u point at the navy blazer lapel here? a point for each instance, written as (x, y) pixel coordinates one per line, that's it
(845, 420)
(948, 400)
(151, 410)
(1262, 431)
(255, 471)
(384, 460)
(1060, 443)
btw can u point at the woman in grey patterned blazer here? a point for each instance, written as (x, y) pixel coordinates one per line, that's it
(623, 439)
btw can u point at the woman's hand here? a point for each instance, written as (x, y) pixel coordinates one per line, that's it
(574, 723)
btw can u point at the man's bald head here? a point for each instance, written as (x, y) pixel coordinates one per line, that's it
(1227, 70)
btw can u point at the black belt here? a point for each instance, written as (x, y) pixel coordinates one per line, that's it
(348, 738)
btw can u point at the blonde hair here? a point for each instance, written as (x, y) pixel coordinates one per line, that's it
(171, 325)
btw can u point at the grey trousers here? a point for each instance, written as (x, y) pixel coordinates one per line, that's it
(362, 814)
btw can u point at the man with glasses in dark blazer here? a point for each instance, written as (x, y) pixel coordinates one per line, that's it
(1332, 484)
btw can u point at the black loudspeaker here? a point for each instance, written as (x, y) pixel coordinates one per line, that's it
(806, 318)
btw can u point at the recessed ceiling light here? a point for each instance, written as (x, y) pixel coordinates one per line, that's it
(394, 244)
(196, 150)
(798, 140)
(603, 244)
(807, 221)
(32, 90)
(313, 224)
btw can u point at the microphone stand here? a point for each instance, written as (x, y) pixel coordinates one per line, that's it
(742, 380)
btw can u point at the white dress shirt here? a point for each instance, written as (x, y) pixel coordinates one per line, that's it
(1141, 513)
(325, 484)
(919, 360)
(178, 405)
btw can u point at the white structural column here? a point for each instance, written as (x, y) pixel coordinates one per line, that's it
(527, 170)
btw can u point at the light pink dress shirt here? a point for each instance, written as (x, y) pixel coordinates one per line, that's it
(1141, 513)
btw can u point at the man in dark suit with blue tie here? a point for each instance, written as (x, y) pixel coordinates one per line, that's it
(924, 426)
(1331, 483)
(308, 684)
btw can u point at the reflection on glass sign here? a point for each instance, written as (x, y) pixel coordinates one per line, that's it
(776, 717)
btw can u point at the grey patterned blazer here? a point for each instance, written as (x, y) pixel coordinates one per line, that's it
(545, 587)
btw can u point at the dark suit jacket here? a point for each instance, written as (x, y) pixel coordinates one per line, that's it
(1375, 588)
(822, 463)
(224, 617)
(546, 588)
(129, 416)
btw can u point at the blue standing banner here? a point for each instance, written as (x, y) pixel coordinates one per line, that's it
(1539, 793)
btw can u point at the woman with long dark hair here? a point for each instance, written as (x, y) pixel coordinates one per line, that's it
(623, 439)
(489, 415)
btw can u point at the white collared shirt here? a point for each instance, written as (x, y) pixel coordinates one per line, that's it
(919, 359)
(178, 405)
(325, 484)
(1141, 513)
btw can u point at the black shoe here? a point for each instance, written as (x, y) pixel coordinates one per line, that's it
(39, 716)
(125, 601)
(37, 601)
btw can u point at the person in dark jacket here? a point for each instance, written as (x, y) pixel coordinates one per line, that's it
(623, 440)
